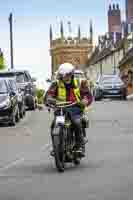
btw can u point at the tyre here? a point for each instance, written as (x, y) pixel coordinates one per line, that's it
(17, 117)
(21, 113)
(12, 121)
(98, 98)
(124, 97)
(24, 112)
(33, 105)
(58, 146)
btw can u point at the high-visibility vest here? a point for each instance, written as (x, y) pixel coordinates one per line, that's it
(62, 94)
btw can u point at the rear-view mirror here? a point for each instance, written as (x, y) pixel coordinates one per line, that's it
(12, 93)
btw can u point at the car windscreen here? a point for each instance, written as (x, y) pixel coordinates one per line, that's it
(110, 80)
(3, 87)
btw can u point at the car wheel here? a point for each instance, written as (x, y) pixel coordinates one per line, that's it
(124, 97)
(33, 106)
(17, 116)
(24, 112)
(12, 120)
(98, 98)
(21, 114)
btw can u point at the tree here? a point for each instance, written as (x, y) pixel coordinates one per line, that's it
(2, 62)
(40, 95)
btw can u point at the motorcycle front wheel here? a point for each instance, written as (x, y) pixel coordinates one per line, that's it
(58, 146)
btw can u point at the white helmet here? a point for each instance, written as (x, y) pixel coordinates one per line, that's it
(65, 68)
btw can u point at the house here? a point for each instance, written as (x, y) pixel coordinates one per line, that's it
(106, 57)
(126, 64)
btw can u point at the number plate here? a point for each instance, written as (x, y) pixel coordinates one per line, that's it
(113, 91)
(60, 119)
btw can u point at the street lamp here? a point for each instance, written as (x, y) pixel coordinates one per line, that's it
(11, 40)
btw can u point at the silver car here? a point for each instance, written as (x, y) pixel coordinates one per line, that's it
(110, 86)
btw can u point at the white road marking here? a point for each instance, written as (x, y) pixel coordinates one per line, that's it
(46, 147)
(20, 160)
(12, 164)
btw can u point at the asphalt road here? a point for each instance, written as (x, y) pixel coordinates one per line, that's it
(27, 171)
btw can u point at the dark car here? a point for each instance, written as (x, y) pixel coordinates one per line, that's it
(9, 111)
(20, 97)
(110, 86)
(26, 84)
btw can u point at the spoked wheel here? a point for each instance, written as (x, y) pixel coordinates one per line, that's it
(58, 145)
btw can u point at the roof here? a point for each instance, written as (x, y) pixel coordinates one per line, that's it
(128, 56)
(99, 55)
(13, 72)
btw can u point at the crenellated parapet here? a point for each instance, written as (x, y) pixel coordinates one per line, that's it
(68, 39)
(68, 48)
(72, 42)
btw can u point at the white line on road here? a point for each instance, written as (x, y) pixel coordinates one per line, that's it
(20, 160)
(46, 147)
(12, 164)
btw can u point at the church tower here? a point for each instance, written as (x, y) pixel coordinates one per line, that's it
(75, 50)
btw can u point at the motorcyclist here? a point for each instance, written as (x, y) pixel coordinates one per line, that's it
(66, 89)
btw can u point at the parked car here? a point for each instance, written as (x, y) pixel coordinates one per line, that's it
(110, 86)
(79, 75)
(26, 84)
(20, 97)
(9, 111)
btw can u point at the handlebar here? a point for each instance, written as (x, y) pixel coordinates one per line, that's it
(62, 104)
(65, 104)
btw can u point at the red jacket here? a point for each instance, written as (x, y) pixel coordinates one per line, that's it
(84, 92)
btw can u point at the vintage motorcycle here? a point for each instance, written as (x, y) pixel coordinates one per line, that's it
(63, 137)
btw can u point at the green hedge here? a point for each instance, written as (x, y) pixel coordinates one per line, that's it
(40, 94)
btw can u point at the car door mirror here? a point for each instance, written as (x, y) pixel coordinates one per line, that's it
(12, 93)
(19, 90)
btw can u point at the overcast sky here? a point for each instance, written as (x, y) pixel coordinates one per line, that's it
(32, 19)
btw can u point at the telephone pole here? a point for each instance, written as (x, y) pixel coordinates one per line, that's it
(11, 40)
